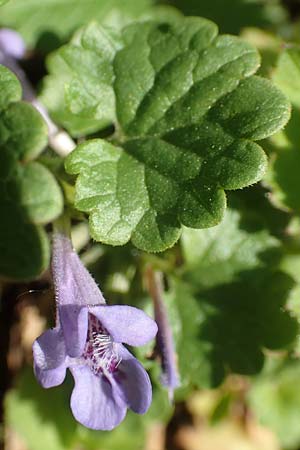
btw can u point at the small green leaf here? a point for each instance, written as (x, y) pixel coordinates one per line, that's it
(283, 174)
(29, 194)
(187, 112)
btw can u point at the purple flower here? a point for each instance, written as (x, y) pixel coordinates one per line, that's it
(88, 340)
(11, 43)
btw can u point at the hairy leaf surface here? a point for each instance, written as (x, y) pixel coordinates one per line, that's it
(187, 112)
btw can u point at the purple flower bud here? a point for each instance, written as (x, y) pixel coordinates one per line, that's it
(88, 340)
(11, 43)
(164, 338)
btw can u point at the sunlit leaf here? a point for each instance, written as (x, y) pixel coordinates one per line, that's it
(188, 111)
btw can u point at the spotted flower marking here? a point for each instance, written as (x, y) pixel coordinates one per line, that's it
(100, 352)
(87, 340)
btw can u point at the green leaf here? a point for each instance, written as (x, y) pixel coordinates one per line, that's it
(29, 414)
(36, 23)
(283, 174)
(230, 302)
(226, 328)
(24, 247)
(187, 112)
(24, 131)
(275, 400)
(29, 193)
(40, 194)
(78, 91)
(234, 15)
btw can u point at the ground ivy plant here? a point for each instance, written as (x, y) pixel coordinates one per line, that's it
(164, 156)
(186, 108)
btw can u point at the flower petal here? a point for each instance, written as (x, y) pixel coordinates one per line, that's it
(74, 323)
(11, 43)
(73, 283)
(49, 350)
(134, 382)
(52, 377)
(94, 401)
(126, 323)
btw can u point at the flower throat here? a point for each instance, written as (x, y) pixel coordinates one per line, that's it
(100, 352)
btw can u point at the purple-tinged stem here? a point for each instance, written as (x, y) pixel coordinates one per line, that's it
(164, 337)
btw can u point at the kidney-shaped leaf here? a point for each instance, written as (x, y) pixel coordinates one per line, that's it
(188, 110)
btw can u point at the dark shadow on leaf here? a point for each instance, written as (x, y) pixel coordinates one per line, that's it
(258, 212)
(243, 318)
(22, 244)
(48, 41)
